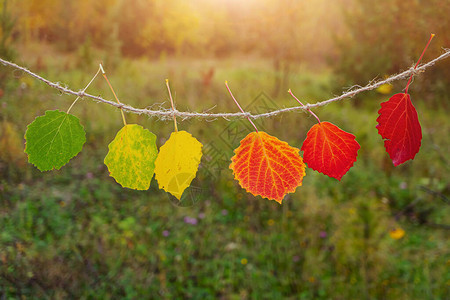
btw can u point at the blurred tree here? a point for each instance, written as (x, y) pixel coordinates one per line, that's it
(282, 37)
(37, 18)
(385, 37)
(214, 34)
(291, 33)
(132, 17)
(152, 27)
(285, 31)
(7, 23)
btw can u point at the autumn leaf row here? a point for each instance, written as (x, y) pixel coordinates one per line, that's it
(266, 166)
(262, 164)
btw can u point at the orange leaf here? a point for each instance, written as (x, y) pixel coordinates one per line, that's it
(268, 167)
(330, 150)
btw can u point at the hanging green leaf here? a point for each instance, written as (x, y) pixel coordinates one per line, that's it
(131, 157)
(53, 139)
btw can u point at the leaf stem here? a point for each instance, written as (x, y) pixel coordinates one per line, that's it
(418, 61)
(73, 103)
(114, 93)
(310, 111)
(173, 106)
(235, 101)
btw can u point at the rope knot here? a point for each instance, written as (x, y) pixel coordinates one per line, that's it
(415, 71)
(248, 115)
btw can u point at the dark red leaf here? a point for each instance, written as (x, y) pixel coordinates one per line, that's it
(330, 150)
(399, 126)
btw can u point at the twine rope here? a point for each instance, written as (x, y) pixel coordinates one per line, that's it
(170, 113)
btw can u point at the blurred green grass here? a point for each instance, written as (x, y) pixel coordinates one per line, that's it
(75, 233)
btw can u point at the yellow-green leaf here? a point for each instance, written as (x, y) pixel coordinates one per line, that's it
(177, 162)
(385, 88)
(131, 157)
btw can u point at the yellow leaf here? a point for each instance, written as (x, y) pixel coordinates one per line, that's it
(177, 162)
(397, 233)
(131, 157)
(385, 89)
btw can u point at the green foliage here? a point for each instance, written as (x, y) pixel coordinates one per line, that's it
(90, 238)
(54, 139)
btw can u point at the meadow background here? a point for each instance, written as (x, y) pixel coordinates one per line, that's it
(379, 233)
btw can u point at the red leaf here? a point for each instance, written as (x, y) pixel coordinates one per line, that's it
(268, 167)
(330, 150)
(399, 126)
